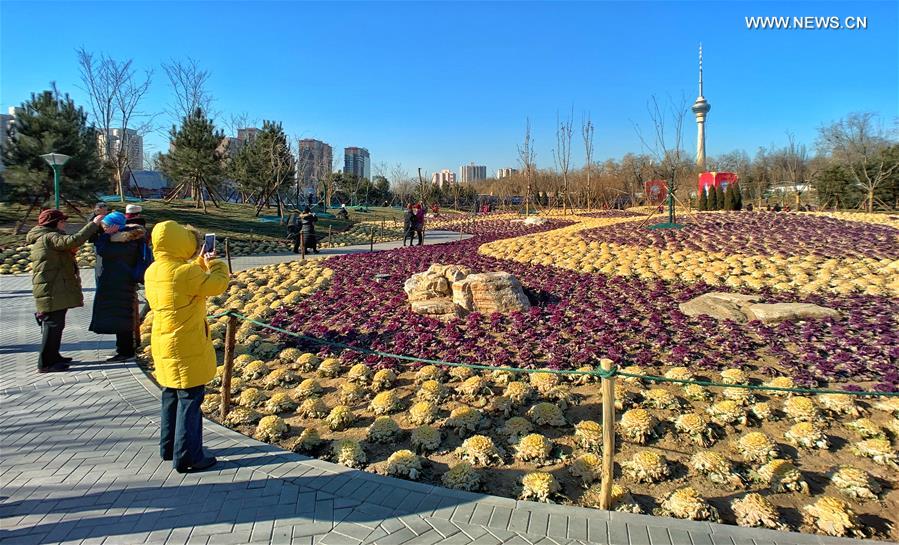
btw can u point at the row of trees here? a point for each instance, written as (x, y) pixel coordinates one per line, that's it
(855, 166)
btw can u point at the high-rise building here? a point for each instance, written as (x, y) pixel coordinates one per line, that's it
(700, 108)
(128, 140)
(444, 177)
(356, 161)
(231, 145)
(505, 172)
(472, 173)
(313, 161)
(247, 134)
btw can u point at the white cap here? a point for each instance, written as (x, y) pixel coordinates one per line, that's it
(133, 209)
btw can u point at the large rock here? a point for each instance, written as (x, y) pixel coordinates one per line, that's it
(772, 313)
(490, 292)
(425, 286)
(534, 220)
(720, 305)
(452, 273)
(441, 308)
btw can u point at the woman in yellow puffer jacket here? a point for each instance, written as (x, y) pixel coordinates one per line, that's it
(177, 285)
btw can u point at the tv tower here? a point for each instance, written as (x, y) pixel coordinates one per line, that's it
(700, 108)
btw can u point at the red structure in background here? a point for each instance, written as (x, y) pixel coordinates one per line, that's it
(656, 191)
(716, 179)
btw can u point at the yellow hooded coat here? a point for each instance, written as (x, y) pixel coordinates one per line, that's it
(177, 287)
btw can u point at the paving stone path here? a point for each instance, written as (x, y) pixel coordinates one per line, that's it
(79, 463)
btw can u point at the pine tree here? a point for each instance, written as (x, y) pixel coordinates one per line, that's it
(50, 122)
(277, 165)
(195, 163)
(703, 201)
(729, 197)
(738, 198)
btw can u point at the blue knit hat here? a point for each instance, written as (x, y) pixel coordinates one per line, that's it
(114, 218)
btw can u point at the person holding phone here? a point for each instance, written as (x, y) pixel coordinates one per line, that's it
(178, 282)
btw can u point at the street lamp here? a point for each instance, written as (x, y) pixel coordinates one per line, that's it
(56, 160)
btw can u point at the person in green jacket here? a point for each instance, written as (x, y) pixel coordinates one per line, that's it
(56, 283)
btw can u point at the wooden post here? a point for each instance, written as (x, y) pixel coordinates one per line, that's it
(230, 333)
(302, 246)
(228, 253)
(330, 242)
(608, 436)
(371, 242)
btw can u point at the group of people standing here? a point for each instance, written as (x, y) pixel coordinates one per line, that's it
(120, 241)
(302, 230)
(414, 223)
(178, 277)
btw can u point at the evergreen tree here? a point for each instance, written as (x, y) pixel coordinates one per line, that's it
(738, 198)
(195, 163)
(719, 198)
(276, 163)
(729, 197)
(703, 201)
(50, 122)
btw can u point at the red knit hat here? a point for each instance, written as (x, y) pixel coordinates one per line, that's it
(49, 216)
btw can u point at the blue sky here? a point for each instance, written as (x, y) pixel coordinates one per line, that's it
(439, 84)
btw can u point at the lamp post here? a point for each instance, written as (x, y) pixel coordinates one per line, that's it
(56, 160)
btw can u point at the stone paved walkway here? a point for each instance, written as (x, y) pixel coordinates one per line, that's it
(79, 463)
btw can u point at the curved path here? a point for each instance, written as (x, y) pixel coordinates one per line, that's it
(80, 464)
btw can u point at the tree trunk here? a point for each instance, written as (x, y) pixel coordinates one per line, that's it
(870, 204)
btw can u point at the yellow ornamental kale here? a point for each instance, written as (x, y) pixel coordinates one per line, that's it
(308, 362)
(385, 403)
(423, 412)
(312, 407)
(588, 435)
(270, 429)
(383, 380)
(348, 453)
(359, 373)
(463, 420)
(405, 464)
(533, 448)
(462, 476)
(587, 467)
(431, 390)
(480, 451)
(539, 486)
(279, 402)
(425, 439)
(340, 417)
(547, 414)
(383, 430)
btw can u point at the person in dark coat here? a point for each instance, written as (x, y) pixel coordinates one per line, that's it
(418, 225)
(343, 213)
(306, 227)
(115, 302)
(100, 209)
(408, 223)
(55, 281)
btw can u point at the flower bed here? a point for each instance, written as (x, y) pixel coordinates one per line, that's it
(761, 233)
(17, 259)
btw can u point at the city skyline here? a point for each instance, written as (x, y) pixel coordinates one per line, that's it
(580, 58)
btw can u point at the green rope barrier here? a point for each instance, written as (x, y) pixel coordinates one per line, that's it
(602, 373)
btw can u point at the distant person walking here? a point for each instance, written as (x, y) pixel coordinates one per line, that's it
(100, 209)
(419, 223)
(121, 246)
(408, 224)
(178, 283)
(343, 213)
(56, 283)
(307, 229)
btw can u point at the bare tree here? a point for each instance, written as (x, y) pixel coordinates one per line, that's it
(665, 143)
(793, 163)
(562, 155)
(115, 91)
(402, 184)
(188, 82)
(526, 155)
(858, 144)
(587, 134)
